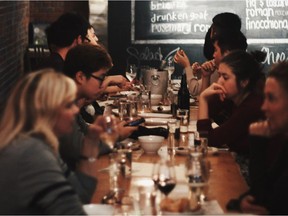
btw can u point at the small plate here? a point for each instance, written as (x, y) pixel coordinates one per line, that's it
(115, 111)
(155, 115)
(185, 151)
(156, 121)
(191, 100)
(98, 209)
(161, 109)
(212, 150)
(181, 151)
(127, 93)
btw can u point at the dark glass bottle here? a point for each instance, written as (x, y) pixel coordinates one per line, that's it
(183, 94)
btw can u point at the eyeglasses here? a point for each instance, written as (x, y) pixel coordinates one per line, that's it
(101, 79)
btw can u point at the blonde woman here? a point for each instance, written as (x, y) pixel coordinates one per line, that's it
(40, 109)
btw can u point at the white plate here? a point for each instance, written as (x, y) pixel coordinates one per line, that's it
(98, 209)
(212, 150)
(181, 151)
(191, 100)
(104, 103)
(155, 115)
(115, 111)
(185, 151)
(156, 121)
(129, 93)
(161, 109)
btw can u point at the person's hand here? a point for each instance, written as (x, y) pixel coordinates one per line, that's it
(125, 131)
(117, 80)
(213, 89)
(208, 68)
(247, 206)
(96, 128)
(196, 68)
(260, 128)
(181, 59)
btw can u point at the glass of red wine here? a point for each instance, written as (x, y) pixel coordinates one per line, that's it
(164, 176)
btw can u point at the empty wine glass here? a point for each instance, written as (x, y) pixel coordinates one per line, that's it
(164, 176)
(170, 67)
(131, 72)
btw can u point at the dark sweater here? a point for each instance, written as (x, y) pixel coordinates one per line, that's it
(234, 131)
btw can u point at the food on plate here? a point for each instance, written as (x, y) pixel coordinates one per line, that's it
(177, 205)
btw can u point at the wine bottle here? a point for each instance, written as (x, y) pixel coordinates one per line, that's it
(183, 94)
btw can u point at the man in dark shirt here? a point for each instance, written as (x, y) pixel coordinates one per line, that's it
(67, 31)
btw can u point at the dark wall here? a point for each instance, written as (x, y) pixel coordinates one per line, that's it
(145, 46)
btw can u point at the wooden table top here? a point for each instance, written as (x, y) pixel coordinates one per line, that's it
(225, 180)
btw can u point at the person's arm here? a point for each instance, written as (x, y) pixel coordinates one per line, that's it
(207, 69)
(194, 84)
(247, 205)
(234, 131)
(117, 80)
(214, 89)
(42, 184)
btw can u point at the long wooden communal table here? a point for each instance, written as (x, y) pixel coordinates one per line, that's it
(225, 181)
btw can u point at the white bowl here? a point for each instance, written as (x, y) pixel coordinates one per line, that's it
(151, 143)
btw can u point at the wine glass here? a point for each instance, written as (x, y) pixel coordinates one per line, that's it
(164, 176)
(197, 173)
(131, 73)
(110, 134)
(170, 67)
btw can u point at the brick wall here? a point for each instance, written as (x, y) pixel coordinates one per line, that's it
(14, 19)
(49, 11)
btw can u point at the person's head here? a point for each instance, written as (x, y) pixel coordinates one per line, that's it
(91, 36)
(70, 28)
(239, 72)
(41, 104)
(87, 64)
(222, 23)
(276, 98)
(223, 44)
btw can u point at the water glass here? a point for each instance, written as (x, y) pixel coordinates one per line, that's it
(197, 172)
(122, 109)
(171, 137)
(183, 116)
(132, 110)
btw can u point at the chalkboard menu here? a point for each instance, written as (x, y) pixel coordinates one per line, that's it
(157, 28)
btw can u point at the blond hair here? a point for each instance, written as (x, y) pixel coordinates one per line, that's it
(33, 106)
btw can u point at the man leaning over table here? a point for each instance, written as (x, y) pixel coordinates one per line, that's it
(87, 65)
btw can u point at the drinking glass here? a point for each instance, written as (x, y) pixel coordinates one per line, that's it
(170, 67)
(110, 134)
(131, 73)
(197, 173)
(164, 176)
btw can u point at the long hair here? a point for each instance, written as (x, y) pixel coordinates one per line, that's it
(34, 105)
(246, 66)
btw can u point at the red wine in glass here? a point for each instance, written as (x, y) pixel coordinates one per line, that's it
(166, 186)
